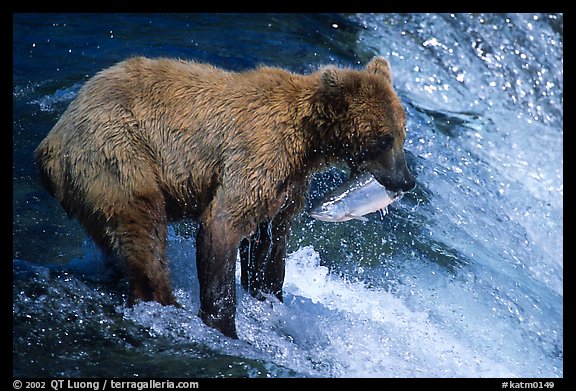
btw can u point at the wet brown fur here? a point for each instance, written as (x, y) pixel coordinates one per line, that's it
(148, 141)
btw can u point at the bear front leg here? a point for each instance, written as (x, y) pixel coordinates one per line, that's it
(262, 256)
(266, 264)
(261, 262)
(216, 249)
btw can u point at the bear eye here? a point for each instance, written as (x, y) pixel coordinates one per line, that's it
(385, 143)
(378, 147)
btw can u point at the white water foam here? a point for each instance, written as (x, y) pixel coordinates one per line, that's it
(47, 102)
(331, 327)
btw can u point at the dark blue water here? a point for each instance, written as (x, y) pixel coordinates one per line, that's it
(462, 278)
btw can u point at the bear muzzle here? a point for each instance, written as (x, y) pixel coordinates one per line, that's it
(393, 173)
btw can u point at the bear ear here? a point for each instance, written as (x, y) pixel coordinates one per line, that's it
(330, 79)
(329, 99)
(380, 66)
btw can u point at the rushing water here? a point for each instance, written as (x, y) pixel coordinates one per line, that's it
(462, 278)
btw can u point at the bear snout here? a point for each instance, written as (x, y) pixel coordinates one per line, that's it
(397, 178)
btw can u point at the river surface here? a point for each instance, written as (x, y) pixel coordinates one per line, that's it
(463, 277)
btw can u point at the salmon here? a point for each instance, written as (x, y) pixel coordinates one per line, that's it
(354, 199)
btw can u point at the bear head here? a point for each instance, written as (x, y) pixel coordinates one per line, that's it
(365, 123)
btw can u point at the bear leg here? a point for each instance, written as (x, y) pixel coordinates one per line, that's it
(216, 249)
(138, 239)
(262, 261)
(262, 256)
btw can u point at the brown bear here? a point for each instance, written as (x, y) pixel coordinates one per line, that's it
(149, 141)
